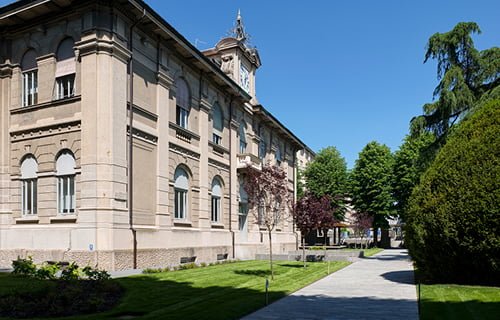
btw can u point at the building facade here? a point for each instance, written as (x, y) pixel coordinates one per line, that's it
(122, 145)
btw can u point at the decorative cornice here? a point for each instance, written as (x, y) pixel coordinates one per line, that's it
(6, 70)
(164, 79)
(205, 105)
(218, 164)
(96, 46)
(137, 133)
(186, 152)
(235, 125)
(44, 131)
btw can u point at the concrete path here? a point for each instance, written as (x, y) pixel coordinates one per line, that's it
(380, 287)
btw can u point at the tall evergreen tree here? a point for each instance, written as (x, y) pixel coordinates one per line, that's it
(371, 184)
(466, 76)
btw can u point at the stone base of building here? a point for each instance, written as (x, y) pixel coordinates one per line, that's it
(119, 259)
(146, 258)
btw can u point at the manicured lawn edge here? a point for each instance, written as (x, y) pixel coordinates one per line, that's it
(228, 291)
(441, 301)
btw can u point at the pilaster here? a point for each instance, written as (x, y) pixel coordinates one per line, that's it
(205, 184)
(104, 142)
(164, 102)
(5, 94)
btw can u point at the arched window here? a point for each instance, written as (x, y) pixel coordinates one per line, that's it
(216, 200)
(65, 171)
(29, 70)
(242, 207)
(218, 123)
(183, 103)
(262, 146)
(279, 154)
(181, 188)
(243, 137)
(65, 69)
(29, 169)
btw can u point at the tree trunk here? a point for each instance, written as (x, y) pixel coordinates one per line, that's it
(271, 253)
(375, 235)
(304, 250)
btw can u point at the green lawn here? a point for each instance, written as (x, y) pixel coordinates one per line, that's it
(226, 291)
(459, 302)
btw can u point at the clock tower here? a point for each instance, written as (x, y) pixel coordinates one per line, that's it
(237, 58)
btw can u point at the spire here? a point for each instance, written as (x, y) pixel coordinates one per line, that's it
(238, 30)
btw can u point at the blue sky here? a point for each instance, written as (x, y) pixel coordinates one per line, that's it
(339, 73)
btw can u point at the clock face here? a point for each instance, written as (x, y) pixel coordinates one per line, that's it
(244, 78)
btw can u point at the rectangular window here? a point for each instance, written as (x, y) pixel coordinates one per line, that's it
(182, 117)
(180, 204)
(66, 194)
(242, 215)
(243, 147)
(262, 150)
(216, 208)
(216, 139)
(30, 88)
(65, 86)
(29, 197)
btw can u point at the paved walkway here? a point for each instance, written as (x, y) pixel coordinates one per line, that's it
(380, 287)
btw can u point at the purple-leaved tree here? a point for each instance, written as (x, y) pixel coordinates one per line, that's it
(363, 222)
(269, 198)
(313, 213)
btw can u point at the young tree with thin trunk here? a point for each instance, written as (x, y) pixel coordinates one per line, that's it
(362, 224)
(269, 198)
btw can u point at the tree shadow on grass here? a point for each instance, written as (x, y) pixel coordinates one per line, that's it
(258, 273)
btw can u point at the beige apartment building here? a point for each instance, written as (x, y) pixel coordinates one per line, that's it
(104, 168)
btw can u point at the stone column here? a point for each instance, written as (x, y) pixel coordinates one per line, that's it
(5, 208)
(205, 184)
(103, 216)
(235, 186)
(163, 104)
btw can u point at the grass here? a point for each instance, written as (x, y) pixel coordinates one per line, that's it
(227, 291)
(459, 302)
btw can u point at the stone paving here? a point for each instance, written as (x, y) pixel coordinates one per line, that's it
(380, 287)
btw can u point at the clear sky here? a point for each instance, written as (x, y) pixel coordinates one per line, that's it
(339, 73)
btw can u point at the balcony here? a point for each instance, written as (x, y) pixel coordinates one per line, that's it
(247, 160)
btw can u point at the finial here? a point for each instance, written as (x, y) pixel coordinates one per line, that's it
(239, 29)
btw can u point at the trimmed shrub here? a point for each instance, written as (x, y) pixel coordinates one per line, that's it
(453, 225)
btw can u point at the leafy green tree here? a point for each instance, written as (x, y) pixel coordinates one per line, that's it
(371, 184)
(453, 223)
(465, 76)
(327, 175)
(410, 161)
(301, 188)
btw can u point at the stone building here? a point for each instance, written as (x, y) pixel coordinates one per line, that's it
(75, 77)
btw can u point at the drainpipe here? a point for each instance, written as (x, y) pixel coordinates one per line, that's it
(130, 142)
(295, 175)
(231, 179)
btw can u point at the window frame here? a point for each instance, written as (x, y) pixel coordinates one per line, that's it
(68, 80)
(181, 194)
(29, 186)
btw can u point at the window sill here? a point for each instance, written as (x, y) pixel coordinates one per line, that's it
(217, 225)
(182, 223)
(27, 220)
(218, 149)
(63, 218)
(45, 104)
(184, 134)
